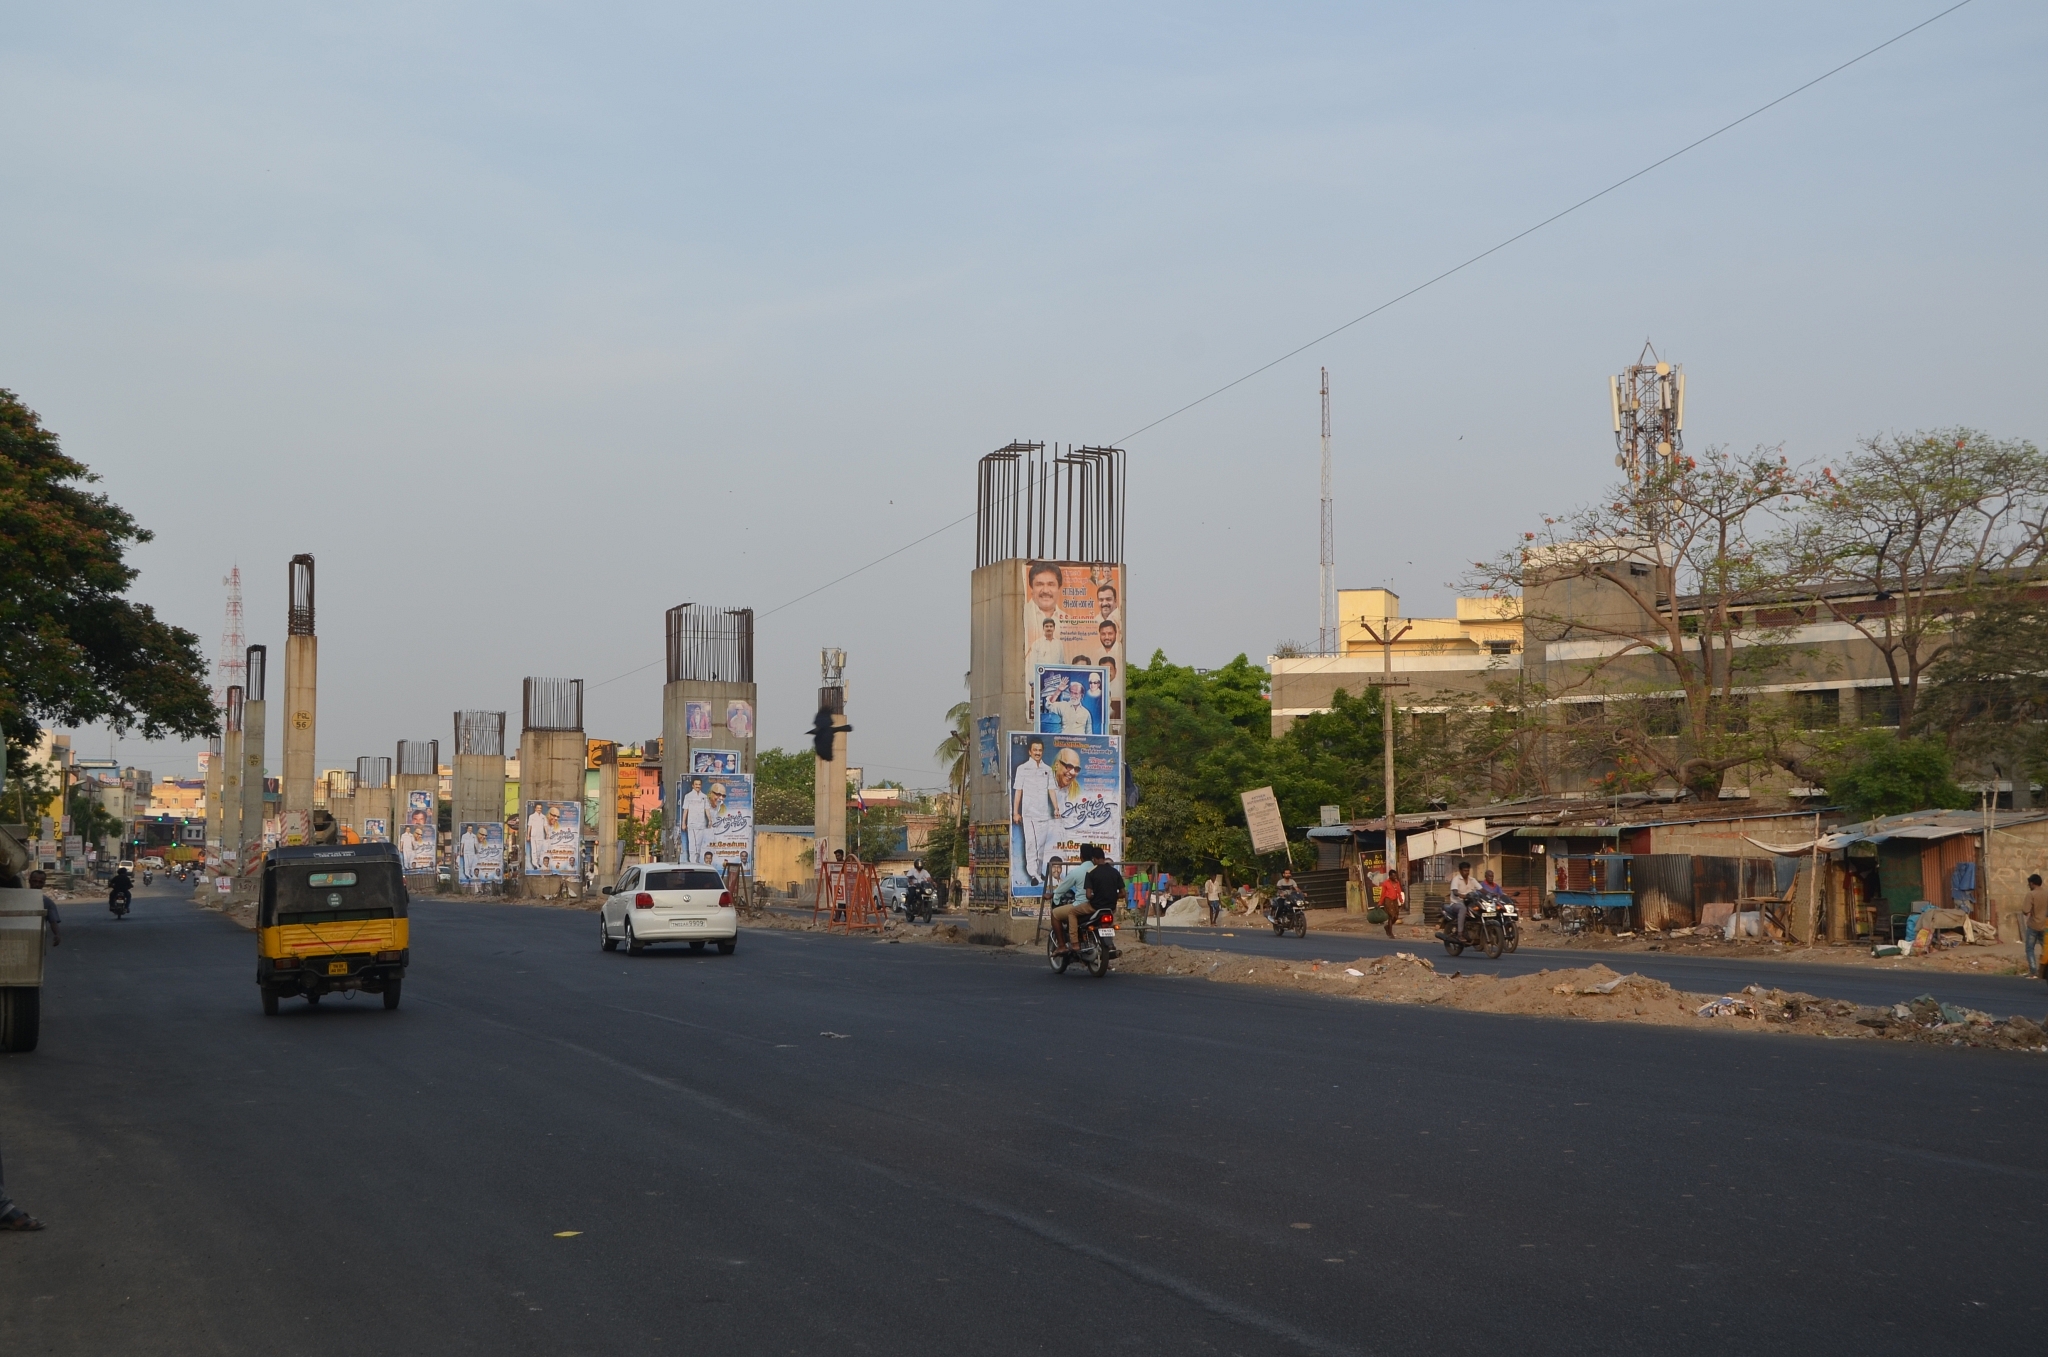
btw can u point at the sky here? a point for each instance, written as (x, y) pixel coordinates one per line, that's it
(532, 320)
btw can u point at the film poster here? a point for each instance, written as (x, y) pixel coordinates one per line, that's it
(1069, 699)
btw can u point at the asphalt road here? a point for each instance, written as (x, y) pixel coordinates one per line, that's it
(2000, 995)
(827, 1145)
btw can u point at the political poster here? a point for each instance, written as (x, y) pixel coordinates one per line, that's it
(552, 838)
(715, 762)
(739, 719)
(1074, 616)
(376, 829)
(986, 729)
(697, 719)
(417, 833)
(1070, 699)
(728, 838)
(1065, 790)
(480, 853)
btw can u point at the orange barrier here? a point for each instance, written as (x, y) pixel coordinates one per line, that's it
(849, 896)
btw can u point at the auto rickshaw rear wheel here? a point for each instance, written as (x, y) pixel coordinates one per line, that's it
(270, 1001)
(391, 992)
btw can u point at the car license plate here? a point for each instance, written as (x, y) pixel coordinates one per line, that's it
(1105, 933)
(337, 968)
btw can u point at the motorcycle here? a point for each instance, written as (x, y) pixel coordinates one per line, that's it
(1097, 949)
(1492, 924)
(1290, 912)
(921, 898)
(118, 900)
(146, 878)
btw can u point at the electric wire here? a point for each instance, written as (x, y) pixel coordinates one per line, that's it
(1391, 301)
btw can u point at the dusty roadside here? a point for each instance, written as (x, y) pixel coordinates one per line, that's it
(1597, 994)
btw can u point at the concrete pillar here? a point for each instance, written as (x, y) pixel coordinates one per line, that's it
(416, 773)
(301, 702)
(608, 815)
(828, 806)
(253, 717)
(550, 769)
(231, 780)
(215, 815)
(373, 804)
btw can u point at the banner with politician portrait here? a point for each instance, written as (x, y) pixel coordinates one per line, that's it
(720, 762)
(551, 838)
(416, 833)
(1065, 790)
(480, 853)
(728, 838)
(1069, 699)
(697, 720)
(1074, 617)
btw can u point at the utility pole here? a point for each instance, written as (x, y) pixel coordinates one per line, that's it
(1326, 617)
(1385, 681)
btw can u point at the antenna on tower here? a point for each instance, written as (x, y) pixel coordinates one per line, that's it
(1648, 402)
(228, 669)
(1327, 621)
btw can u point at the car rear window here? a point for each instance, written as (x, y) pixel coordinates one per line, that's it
(683, 881)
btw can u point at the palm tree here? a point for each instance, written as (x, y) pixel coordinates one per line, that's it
(956, 752)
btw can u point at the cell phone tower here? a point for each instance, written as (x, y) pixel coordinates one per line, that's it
(1327, 625)
(1647, 399)
(227, 670)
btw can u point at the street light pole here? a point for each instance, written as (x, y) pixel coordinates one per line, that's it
(1386, 684)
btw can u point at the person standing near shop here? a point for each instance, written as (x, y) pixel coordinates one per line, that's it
(2035, 923)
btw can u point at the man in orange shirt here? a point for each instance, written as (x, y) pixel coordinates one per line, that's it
(1392, 899)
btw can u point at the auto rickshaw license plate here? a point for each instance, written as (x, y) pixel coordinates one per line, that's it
(337, 968)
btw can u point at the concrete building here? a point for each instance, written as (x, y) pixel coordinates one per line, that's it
(1479, 645)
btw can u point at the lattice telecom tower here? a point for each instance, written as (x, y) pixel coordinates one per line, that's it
(1327, 625)
(228, 670)
(1648, 399)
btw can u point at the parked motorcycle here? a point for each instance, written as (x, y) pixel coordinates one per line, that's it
(1492, 924)
(1097, 949)
(1290, 913)
(920, 899)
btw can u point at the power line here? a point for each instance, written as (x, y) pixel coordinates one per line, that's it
(1391, 301)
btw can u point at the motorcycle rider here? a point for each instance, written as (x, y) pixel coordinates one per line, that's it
(1105, 882)
(1457, 907)
(913, 880)
(1286, 894)
(1068, 906)
(122, 887)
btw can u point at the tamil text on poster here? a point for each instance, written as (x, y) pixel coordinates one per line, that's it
(480, 853)
(553, 838)
(1065, 790)
(729, 839)
(1074, 615)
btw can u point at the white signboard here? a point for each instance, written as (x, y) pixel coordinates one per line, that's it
(1262, 817)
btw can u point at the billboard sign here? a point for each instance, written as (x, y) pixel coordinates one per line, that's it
(1262, 818)
(739, 719)
(376, 829)
(697, 720)
(1074, 616)
(715, 762)
(553, 837)
(1065, 790)
(1069, 699)
(480, 853)
(728, 840)
(416, 836)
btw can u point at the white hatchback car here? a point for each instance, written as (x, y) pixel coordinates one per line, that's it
(669, 902)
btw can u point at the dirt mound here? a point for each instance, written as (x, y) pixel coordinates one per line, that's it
(1594, 993)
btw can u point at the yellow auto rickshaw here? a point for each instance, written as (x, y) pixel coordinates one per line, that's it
(331, 918)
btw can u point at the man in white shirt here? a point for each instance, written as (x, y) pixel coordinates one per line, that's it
(1032, 809)
(536, 840)
(465, 854)
(1073, 712)
(1462, 888)
(696, 823)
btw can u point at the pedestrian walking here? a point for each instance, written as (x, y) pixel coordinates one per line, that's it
(2035, 924)
(1213, 891)
(1393, 900)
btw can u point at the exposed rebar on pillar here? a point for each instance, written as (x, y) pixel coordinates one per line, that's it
(301, 703)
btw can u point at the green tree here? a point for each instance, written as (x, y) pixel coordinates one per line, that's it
(955, 753)
(1879, 773)
(784, 787)
(72, 649)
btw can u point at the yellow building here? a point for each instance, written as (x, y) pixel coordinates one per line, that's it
(1479, 643)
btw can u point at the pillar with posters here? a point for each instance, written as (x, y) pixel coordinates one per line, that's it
(552, 754)
(1050, 613)
(477, 805)
(709, 710)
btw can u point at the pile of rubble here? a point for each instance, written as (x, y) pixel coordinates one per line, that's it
(1598, 994)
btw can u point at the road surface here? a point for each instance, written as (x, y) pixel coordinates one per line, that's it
(824, 1145)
